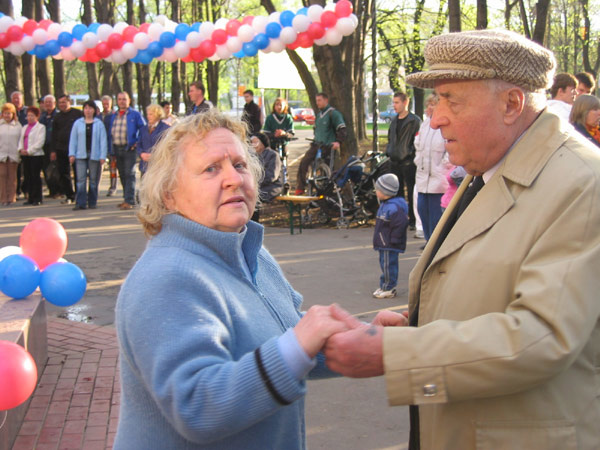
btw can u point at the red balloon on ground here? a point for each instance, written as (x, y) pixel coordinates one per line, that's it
(44, 240)
(18, 375)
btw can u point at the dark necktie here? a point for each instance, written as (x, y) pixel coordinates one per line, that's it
(469, 195)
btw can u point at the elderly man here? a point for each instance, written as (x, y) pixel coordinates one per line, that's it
(502, 351)
(47, 119)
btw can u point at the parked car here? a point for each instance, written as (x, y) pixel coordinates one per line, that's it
(388, 115)
(303, 115)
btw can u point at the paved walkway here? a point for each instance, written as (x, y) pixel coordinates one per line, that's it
(76, 403)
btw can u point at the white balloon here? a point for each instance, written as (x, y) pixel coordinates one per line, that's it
(10, 250)
(259, 24)
(288, 35)
(5, 23)
(60, 56)
(40, 36)
(15, 48)
(314, 13)
(322, 41)
(330, 7)
(234, 44)
(62, 260)
(120, 26)
(104, 31)
(193, 39)
(221, 23)
(181, 49)
(54, 30)
(27, 43)
(354, 20)
(67, 55)
(214, 57)
(68, 27)
(274, 17)
(78, 49)
(345, 26)
(333, 37)
(118, 57)
(223, 52)
(206, 30)
(141, 41)
(21, 20)
(300, 23)
(90, 40)
(276, 45)
(245, 33)
(169, 54)
(129, 50)
(155, 30)
(161, 19)
(170, 25)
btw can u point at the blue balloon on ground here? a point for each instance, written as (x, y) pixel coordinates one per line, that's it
(261, 41)
(19, 276)
(78, 31)
(273, 30)
(250, 49)
(65, 39)
(286, 18)
(63, 283)
(167, 40)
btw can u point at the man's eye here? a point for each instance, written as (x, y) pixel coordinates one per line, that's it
(240, 165)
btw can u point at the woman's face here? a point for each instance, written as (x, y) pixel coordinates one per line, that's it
(152, 116)
(215, 187)
(277, 107)
(31, 118)
(592, 118)
(7, 116)
(89, 112)
(257, 144)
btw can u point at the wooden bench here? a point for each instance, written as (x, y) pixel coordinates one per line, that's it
(294, 203)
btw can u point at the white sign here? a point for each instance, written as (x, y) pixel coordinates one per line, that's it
(276, 70)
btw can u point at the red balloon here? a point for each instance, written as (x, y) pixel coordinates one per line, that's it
(93, 57)
(14, 33)
(144, 27)
(294, 45)
(328, 19)
(247, 20)
(44, 240)
(18, 375)
(187, 59)
(4, 40)
(30, 26)
(316, 30)
(232, 27)
(103, 50)
(343, 8)
(115, 41)
(196, 54)
(45, 23)
(129, 33)
(207, 48)
(303, 40)
(219, 37)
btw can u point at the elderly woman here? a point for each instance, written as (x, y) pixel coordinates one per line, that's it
(214, 351)
(585, 117)
(150, 134)
(10, 130)
(31, 148)
(87, 150)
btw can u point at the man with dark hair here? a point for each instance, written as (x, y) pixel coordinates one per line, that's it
(330, 132)
(167, 107)
(47, 119)
(585, 83)
(251, 115)
(61, 134)
(563, 95)
(196, 94)
(401, 150)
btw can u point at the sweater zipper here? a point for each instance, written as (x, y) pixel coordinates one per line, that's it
(271, 308)
(382, 239)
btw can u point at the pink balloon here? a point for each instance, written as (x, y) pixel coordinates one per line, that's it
(219, 37)
(328, 19)
(18, 375)
(232, 27)
(343, 8)
(44, 240)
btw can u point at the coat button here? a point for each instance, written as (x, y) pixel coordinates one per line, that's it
(429, 390)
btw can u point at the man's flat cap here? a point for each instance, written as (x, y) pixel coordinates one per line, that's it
(486, 55)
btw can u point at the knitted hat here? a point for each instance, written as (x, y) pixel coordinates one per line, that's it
(262, 137)
(387, 184)
(485, 55)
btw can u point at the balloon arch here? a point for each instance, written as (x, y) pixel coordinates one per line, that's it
(165, 40)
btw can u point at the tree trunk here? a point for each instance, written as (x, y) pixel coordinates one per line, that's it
(53, 7)
(482, 19)
(105, 12)
(29, 90)
(542, 9)
(42, 65)
(212, 81)
(127, 67)
(524, 19)
(92, 75)
(12, 63)
(175, 72)
(143, 70)
(454, 15)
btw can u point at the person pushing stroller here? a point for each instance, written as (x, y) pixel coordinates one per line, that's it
(389, 237)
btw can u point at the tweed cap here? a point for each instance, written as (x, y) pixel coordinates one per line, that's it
(387, 184)
(486, 55)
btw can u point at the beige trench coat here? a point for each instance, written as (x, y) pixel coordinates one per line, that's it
(507, 352)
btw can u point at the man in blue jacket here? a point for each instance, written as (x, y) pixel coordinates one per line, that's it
(124, 130)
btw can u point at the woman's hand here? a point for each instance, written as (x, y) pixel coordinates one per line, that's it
(387, 318)
(145, 156)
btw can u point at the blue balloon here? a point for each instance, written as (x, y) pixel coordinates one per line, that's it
(52, 47)
(196, 26)
(1, 15)
(261, 41)
(167, 40)
(19, 276)
(303, 11)
(93, 27)
(41, 52)
(273, 30)
(65, 39)
(181, 31)
(250, 48)
(154, 50)
(31, 52)
(239, 54)
(63, 283)
(78, 31)
(144, 56)
(286, 18)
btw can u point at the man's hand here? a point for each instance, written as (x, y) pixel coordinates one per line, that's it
(335, 145)
(72, 159)
(387, 318)
(357, 353)
(53, 156)
(145, 156)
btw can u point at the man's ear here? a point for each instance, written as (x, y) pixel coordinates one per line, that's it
(514, 99)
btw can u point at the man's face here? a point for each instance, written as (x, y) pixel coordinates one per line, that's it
(17, 100)
(470, 116)
(49, 104)
(106, 104)
(248, 98)
(167, 109)
(64, 104)
(195, 94)
(400, 105)
(123, 101)
(582, 89)
(322, 102)
(567, 94)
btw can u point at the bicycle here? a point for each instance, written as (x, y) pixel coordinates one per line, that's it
(320, 171)
(278, 144)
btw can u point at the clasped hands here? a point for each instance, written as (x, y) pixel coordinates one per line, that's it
(351, 347)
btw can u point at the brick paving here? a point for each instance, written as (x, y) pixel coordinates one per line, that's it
(76, 403)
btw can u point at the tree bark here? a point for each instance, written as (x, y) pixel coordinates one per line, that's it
(92, 75)
(482, 16)
(42, 65)
(143, 70)
(175, 72)
(53, 7)
(12, 63)
(454, 15)
(29, 85)
(105, 12)
(542, 9)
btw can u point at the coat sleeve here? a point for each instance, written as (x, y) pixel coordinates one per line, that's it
(73, 140)
(103, 140)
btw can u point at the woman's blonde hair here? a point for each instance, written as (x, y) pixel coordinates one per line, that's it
(161, 177)
(583, 104)
(284, 105)
(10, 107)
(158, 111)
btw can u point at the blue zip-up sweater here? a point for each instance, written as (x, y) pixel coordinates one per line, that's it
(135, 121)
(77, 144)
(391, 225)
(189, 317)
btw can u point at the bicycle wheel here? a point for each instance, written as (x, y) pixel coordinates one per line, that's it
(322, 176)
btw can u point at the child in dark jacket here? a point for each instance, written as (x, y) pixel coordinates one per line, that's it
(390, 233)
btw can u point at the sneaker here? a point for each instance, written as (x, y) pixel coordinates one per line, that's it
(377, 292)
(299, 192)
(110, 193)
(385, 294)
(67, 201)
(419, 234)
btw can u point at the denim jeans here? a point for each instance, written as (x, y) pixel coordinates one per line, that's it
(430, 211)
(388, 260)
(126, 158)
(83, 166)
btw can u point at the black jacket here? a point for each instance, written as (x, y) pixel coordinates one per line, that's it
(61, 129)
(401, 143)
